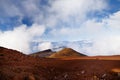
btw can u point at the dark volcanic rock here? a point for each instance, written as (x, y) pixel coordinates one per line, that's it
(44, 53)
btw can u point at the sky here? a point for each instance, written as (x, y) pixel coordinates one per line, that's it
(26, 21)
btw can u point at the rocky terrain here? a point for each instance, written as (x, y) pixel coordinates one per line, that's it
(15, 65)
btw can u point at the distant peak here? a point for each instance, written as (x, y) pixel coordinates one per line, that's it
(66, 52)
(67, 49)
(47, 50)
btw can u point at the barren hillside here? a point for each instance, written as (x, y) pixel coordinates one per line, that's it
(17, 66)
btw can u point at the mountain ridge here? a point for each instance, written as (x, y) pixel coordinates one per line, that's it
(44, 53)
(66, 52)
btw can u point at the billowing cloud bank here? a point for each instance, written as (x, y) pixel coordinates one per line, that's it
(59, 20)
(21, 37)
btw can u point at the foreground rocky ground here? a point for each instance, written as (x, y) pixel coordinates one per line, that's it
(17, 66)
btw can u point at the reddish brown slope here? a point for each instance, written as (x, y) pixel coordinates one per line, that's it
(17, 66)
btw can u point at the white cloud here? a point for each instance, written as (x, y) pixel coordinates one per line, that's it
(31, 7)
(74, 7)
(59, 10)
(113, 21)
(21, 9)
(67, 20)
(20, 38)
(107, 39)
(9, 9)
(36, 30)
(70, 18)
(45, 46)
(78, 9)
(105, 35)
(109, 45)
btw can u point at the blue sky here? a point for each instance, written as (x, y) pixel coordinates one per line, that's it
(59, 20)
(10, 21)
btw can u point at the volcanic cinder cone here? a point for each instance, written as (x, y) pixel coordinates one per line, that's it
(66, 52)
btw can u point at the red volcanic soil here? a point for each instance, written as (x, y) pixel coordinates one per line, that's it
(17, 66)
